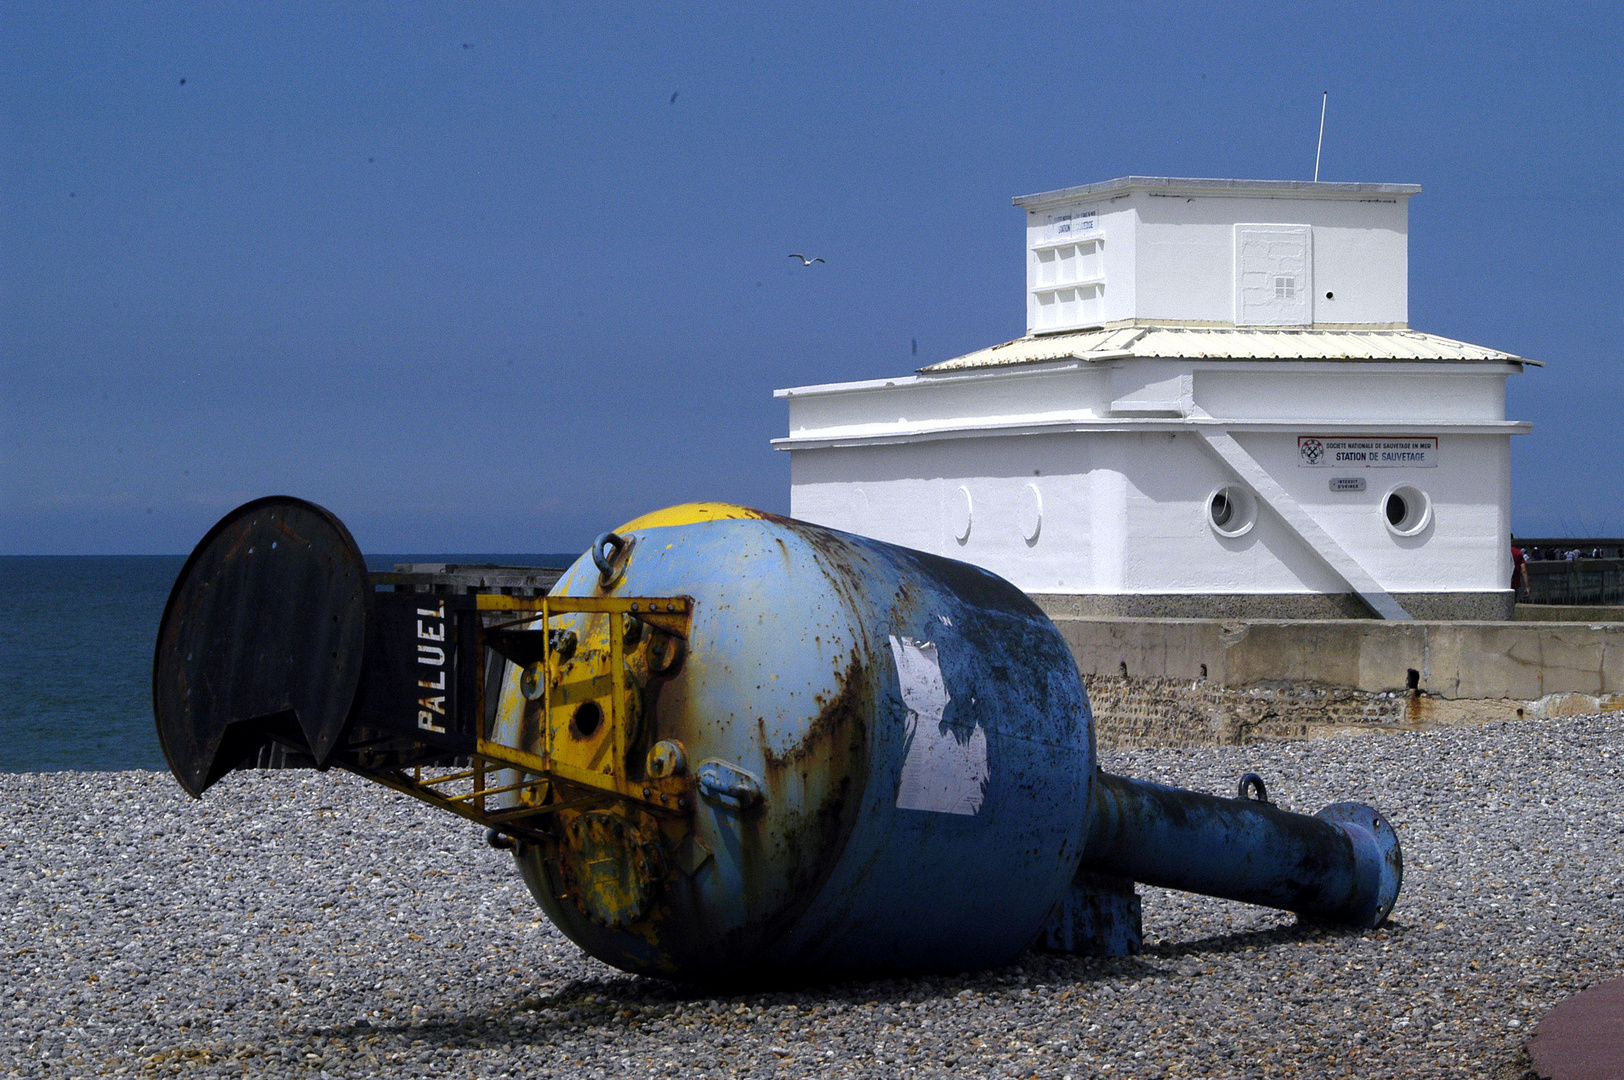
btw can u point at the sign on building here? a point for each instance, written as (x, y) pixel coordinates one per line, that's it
(1324, 452)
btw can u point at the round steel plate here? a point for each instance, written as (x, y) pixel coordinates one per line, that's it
(262, 639)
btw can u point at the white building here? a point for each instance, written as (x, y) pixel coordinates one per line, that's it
(1219, 408)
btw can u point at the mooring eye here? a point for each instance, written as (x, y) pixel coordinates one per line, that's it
(1251, 787)
(588, 717)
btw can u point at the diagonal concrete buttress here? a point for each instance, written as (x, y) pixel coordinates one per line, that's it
(1343, 564)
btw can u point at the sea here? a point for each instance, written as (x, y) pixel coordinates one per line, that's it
(76, 640)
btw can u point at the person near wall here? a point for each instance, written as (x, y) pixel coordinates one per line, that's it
(1519, 574)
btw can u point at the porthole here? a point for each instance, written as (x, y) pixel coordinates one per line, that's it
(1231, 511)
(1406, 510)
(1031, 513)
(859, 512)
(960, 514)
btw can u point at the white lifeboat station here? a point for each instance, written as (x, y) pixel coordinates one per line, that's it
(1218, 410)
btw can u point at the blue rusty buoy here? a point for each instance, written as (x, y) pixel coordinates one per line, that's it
(730, 746)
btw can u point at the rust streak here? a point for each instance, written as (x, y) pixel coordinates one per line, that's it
(833, 717)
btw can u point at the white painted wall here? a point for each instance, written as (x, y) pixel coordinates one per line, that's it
(1418, 395)
(1126, 513)
(1029, 396)
(1169, 254)
(1124, 492)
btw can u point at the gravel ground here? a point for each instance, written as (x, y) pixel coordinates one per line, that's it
(299, 924)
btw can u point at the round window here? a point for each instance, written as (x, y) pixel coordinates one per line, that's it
(960, 514)
(1031, 513)
(1406, 510)
(1231, 511)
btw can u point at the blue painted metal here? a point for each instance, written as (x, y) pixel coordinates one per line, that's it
(867, 815)
(727, 784)
(895, 765)
(1341, 868)
(791, 675)
(1099, 915)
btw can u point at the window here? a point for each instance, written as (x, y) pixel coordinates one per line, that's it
(1407, 510)
(1063, 308)
(1065, 271)
(1231, 511)
(1285, 288)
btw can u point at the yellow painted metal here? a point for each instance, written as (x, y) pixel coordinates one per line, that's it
(595, 675)
(495, 602)
(514, 758)
(559, 605)
(564, 773)
(469, 806)
(449, 778)
(480, 793)
(666, 613)
(613, 864)
(690, 514)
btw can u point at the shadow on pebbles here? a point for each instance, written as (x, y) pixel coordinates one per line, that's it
(297, 924)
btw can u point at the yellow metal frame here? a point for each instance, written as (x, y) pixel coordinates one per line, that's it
(546, 776)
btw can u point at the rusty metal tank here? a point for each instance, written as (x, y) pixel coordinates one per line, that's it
(893, 756)
(732, 747)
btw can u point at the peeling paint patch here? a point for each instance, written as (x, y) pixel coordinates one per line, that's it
(939, 773)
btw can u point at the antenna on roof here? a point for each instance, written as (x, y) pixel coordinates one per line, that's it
(1323, 99)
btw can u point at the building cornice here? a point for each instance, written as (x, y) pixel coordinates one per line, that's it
(1196, 187)
(894, 434)
(1098, 362)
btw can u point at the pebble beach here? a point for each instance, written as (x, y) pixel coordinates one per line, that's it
(301, 924)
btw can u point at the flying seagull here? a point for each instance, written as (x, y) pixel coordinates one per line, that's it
(804, 260)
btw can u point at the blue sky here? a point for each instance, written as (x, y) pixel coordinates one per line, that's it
(470, 277)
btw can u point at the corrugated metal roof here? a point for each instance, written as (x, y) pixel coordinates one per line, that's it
(1224, 343)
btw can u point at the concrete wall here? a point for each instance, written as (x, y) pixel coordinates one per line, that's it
(1143, 711)
(1569, 613)
(1278, 392)
(1522, 661)
(1187, 682)
(1301, 393)
(1430, 606)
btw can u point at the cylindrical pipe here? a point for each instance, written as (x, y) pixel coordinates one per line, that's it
(1342, 865)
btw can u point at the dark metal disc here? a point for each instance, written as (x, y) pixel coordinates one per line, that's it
(262, 640)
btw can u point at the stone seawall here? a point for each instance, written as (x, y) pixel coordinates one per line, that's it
(1131, 712)
(1194, 682)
